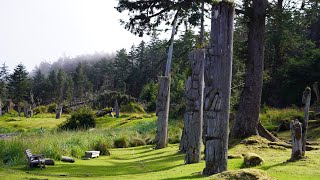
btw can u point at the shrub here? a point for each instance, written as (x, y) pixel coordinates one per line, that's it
(137, 142)
(122, 142)
(81, 119)
(273, 117)
(12, 113)
(132, 108)
(102, 147)
(76, 151)
(52, 108)
(40, 110)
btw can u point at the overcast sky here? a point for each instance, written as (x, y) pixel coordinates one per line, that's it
(32, 31)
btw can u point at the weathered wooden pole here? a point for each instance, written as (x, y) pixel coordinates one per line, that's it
(59, 111)
(316, 91)
(117, 109)
(306, 97)
(194, 108)
(296, 138)
(163, 99)
(1, 107)
(218, 71)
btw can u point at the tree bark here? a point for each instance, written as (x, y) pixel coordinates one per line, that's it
(296, 138)
(194, 109)
(306, 97)
(117, 109)
(218, 70)
(316, 91)
(247, 116)
(183, 140)
(163, 99)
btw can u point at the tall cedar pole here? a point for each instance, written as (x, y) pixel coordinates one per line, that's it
(306, 97)
(218, 71)
(296, 139)
(163, 99)
(197, 60)
(193, 117)
(194, 94)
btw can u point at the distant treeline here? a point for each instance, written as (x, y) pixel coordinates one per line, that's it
(292, 61)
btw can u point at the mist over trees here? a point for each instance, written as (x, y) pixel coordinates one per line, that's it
(292, 61)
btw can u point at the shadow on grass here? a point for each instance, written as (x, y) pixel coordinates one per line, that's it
(274, 165)
(197, 175)
(113, 167)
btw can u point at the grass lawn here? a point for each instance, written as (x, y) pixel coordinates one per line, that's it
(138, 162)
(146, 163)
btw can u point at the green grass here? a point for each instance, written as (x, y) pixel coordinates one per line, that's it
(136, 162)
(146, 163)
(21, 124)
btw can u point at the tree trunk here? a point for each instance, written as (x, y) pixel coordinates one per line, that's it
(316, 91)
(25, 110)
(306, 101)
(265, 133)
(117, 109)
(19, 110)
(163, 99)
(30, 111)
(247, 116)
(59, 111)
(194, 109)
(296, 133)
(183, 140)
(218, 70)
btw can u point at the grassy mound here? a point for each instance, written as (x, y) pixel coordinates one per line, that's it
(243, 174)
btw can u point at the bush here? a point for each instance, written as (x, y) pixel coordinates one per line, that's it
(273, 117)
(52, 108)
(40, 110)
(137, 142)
(132, 108)
(81, 119)
(122, 142)
(12, 113)
(102, 147)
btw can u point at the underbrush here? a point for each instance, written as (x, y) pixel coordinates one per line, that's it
(55, 144)
(271, 117)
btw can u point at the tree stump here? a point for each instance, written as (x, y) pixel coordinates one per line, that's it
(162, 112)
(296, 138)
(193, 117)
(306, 97)
(117, 109)
(218, 68)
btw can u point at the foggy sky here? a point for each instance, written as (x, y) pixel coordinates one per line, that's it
(32, 31)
